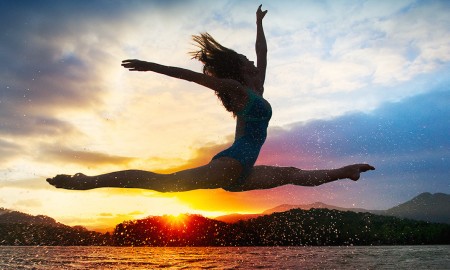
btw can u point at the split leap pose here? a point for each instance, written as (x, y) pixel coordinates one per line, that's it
(238, 83)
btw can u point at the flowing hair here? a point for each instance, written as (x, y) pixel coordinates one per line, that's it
(218, 61)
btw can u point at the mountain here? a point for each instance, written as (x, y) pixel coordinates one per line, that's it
(9, 216)
(316, 205)
(425, 207)
(17, 228)
(232, 218)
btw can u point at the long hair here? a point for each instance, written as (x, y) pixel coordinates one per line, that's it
(218, 61)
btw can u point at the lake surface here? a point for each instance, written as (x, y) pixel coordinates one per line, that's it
(380, 257)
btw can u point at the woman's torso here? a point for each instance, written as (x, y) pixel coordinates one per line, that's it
(253, 120)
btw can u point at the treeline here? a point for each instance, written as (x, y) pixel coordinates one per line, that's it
(315, 227)
(296, 227)
(29, 234)
(17, 228)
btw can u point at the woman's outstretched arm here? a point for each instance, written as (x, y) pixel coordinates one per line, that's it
(261, 45)
(234, 88)
(180, 73)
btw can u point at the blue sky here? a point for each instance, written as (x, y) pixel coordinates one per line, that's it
(349, 82)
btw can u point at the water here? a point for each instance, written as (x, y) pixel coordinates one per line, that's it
(384, 257)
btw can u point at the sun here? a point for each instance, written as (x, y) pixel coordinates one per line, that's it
(177, 221)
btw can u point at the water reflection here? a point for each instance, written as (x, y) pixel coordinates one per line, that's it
(401, 257)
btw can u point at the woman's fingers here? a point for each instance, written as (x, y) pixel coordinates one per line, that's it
(131, 64)
(261, 13)
(134, 65)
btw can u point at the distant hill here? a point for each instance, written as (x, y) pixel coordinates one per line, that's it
(232, 218)
(10, 216)
(316, 205)
(425, 207)
(17, 228)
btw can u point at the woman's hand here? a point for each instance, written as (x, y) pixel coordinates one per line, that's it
(260, 14)
(135, 65)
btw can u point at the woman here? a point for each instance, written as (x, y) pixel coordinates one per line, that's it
(239, 84)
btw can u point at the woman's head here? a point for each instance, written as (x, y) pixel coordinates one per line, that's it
(218, 61)
(221, 62)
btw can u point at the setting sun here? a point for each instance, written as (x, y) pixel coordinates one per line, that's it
(177, 221)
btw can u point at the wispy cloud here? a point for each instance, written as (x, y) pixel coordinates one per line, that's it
(412, 126)
(57, 154)
(352, 50)
(406, 141)
(8, 151)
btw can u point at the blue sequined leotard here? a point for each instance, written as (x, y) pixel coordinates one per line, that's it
(251, 133)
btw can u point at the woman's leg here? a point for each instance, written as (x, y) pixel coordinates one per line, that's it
(218, 173)
(266, 177)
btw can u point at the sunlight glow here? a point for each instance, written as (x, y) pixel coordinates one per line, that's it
(177, 221)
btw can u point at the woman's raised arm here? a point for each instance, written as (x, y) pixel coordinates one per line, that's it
(261, 44)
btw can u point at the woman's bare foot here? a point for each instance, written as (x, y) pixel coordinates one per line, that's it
(354, 171)
(78, 181)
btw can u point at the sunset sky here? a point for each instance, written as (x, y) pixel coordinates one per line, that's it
(349, 82)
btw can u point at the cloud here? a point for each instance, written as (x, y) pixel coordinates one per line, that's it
(66, 65)
(8, 150)
(28, 204)
(349, 50)
(24, 184)
(201, 156)
(404, 137)
(42, 70)
(59, 154)
(406, 140)
(61, 65)
(104, 221)
(17, 122)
